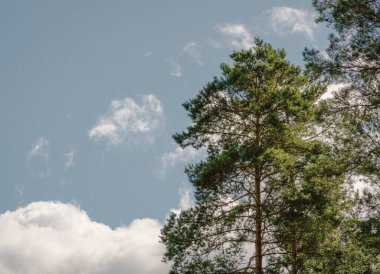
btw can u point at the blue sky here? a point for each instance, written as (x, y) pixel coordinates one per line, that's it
(90, 95)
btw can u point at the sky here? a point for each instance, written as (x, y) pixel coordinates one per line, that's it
(90, 95)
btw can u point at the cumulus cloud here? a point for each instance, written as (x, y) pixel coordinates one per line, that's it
(39, 149)
(176, 69)
(235, 35)
(285, 20)
(52, 237)
(126, 119)
(177, 156)
(70, 158)
(192, 49)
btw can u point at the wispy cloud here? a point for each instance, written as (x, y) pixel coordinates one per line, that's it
(176, 69)
(39, 149)
(39, 158)
(192, 49)
(178, 156)
(147, 54)
(52, 237)
(70, 158)
(234, 35)
(285, 20)
(126, 120)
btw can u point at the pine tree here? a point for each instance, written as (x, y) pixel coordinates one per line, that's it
(266, 196)
(353, 58)
(354, 43)
(352, 117)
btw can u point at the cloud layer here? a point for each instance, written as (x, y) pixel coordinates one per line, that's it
(52, 237)
(126, 119)
(285, 20)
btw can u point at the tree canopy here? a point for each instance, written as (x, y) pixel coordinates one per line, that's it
(269, 192)
(276, 191)
(354, 43)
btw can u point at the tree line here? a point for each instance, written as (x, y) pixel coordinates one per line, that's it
(277, 190)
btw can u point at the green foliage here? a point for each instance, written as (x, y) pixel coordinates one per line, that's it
(351, 118)
(354, 47)
(268, 190)
(277, 183)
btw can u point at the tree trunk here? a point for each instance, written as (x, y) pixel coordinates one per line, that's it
(258, 240)
(294, 268)
(258, 231)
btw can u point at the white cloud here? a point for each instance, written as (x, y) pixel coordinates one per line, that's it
(178, 156)
(235, 35)
(285, 20)
(147, 54)
(39, 149)
(176, 69)
(70, 158)
(52, 237)
(192, 49)
(127, 119)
